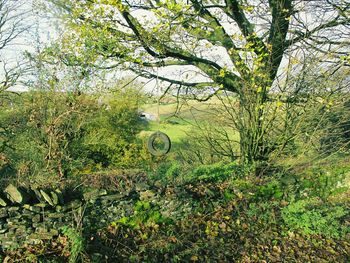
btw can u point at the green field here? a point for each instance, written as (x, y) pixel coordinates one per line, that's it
(177, 120)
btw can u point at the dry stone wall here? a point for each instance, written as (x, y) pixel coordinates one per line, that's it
(35, 215)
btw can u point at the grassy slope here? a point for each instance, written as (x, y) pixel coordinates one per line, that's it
(178, 127)
(177, 120)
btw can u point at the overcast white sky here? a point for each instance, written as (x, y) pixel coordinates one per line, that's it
(38, 31)
(42, 31)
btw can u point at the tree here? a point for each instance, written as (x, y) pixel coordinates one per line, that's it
(13, 16)
(240, 46)
(12, 27)
(50, 136)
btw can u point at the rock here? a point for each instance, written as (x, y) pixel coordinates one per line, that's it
(38, 195)
(40, 205)
(2, 202)
(13, 221)
(94, 194)
(34, 209)
(14, 211)
(56, 215)
(146, 195)
(15, 195)
(47, 197)
(54, 198)
(41, 229)
(8, 242)
(3, 213)
(27, 213)
(13, 208)
(43, 233)
(36, 218)
(20, 232)
(26, 206)
(112, 197)
(102, 192)
(38, 224)
(90, 195)
(60, 196)
(141, 187)
(11, 232)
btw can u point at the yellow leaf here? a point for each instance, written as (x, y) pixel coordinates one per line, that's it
(222, 73)
(194, 258)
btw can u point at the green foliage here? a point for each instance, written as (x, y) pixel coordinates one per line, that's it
(322, 182)
(167, 172)
(173, 171)
(109, 138)
(336, 122)
(243, 221)
(75, 243)
(209, 142)
(216, 219)
(249, 67)
(49, 136)
(218, 172)
(264, 212)
(272, 189)
(145, 214)
(314, 217)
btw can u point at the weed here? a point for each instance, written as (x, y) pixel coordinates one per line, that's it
(313, 217)
(75, 243)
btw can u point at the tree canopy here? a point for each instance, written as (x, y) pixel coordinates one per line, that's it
(239, 46)
(254, 35)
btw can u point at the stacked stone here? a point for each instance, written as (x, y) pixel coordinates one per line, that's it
(31, 216)
(103, 209)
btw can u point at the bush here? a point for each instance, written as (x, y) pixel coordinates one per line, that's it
(50, 136)
(75, 244)
(326, 127)
(314, 217)
(336, 137)
(218, 172)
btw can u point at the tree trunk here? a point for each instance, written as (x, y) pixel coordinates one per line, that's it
(253, 138)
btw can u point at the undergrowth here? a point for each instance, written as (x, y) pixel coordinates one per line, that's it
(223, 213)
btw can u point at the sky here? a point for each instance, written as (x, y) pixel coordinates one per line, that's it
(37, 31)
(42, 31)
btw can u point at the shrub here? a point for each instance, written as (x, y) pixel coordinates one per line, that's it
(336, 136)
(314, 217)
(167, 172)
(322, 182)
(218, 172)
(50, 135)
(75, 245)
